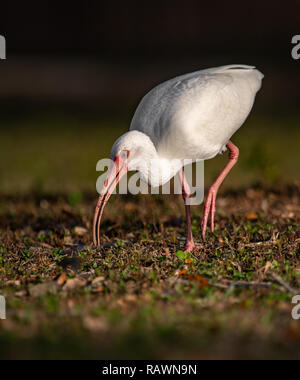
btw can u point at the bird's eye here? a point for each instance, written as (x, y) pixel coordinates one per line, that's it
(124, 154)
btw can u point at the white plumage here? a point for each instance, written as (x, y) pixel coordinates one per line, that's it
(192, 116)
(195, 115)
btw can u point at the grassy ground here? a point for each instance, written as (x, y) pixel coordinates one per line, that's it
(139, 296)
(55, 153)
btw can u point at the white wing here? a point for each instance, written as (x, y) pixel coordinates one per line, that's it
(194, 115)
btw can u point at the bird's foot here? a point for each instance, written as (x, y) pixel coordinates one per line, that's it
(191, 247)
(209, 209)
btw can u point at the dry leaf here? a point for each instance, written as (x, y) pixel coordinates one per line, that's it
(74, 283)
(267, 267)
(199, 279)
(68, 241)
(97, 284)
(130, 297)
(130, 206)
(80, 231)
(252, 217)
(45, 245)
(98, 279)
(62, 279)
(98, 290)
(13, 283)
(94, 324)
(71, 303)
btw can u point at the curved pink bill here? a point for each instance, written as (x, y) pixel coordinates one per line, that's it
(117, 171)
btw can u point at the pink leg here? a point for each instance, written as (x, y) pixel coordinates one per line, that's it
(210, 204)
(186, 193)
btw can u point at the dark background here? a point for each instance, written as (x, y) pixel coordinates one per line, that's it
(75, 73)
(108, 53)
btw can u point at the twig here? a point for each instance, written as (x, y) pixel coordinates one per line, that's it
(183, 239)
(251, 283)
(259, 244)
(218, 285)
(272, 241)
(287, 287)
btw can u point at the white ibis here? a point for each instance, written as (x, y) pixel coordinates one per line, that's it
(192, 116)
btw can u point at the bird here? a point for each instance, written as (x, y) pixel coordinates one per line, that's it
(192, 116)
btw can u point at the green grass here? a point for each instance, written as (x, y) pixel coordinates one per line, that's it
(150, 299)
(50, 153)
(140, 296)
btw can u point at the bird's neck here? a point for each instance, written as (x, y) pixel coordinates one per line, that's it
(158, 171)
(151, 167)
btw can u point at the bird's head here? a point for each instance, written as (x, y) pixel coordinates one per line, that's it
(126, 155)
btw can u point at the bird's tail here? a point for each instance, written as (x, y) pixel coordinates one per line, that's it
(239, 68)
